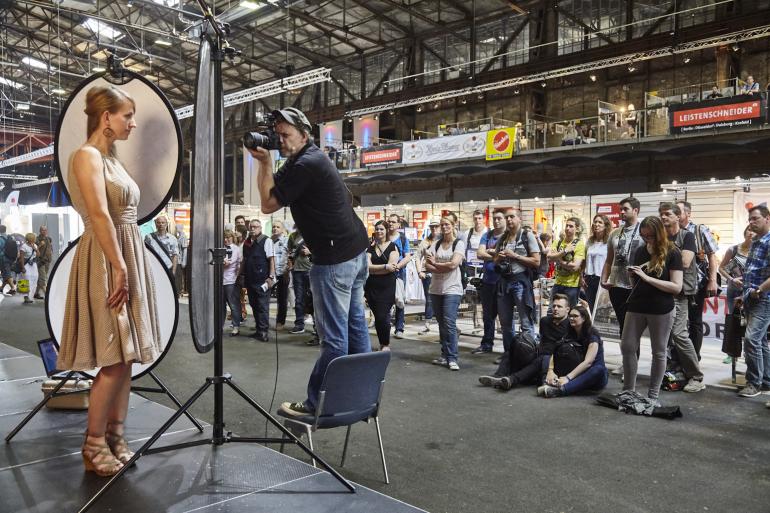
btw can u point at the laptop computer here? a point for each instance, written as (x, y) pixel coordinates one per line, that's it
(49, 352)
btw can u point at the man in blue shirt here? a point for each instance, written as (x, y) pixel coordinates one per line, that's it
(756, 305)
(404, 257)
(488, 292)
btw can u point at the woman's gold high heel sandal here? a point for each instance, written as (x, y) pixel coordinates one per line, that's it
(117, 443)
(99, 459)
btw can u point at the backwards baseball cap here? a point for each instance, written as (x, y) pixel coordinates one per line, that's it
(434, 222)
(294, 117)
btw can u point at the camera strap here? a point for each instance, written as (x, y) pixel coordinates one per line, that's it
(627, 247)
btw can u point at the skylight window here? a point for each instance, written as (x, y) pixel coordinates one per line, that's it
(167, 3)
(34, 63)
(11, 83)
(103, 29)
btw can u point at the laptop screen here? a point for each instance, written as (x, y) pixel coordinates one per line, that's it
(49, 351)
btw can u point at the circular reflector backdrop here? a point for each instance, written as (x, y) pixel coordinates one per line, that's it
(166, 299)
(152, 155)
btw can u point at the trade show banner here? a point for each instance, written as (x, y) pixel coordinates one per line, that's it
(371, 219)
(182, 216)
(331, 134)
(381, 155)
(419, 219)
(451, 147)
(742, 202)
(721, 113)
(611, 210)
(501, 143)
(366, 131)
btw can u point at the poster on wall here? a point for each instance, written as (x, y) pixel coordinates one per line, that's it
(420, 219)
(719, 114)
(371, 219)
(611, 210)
(742, 201)
(182, 216)
(331, 134)
(451, 147)
(500, 144)
(540, 220)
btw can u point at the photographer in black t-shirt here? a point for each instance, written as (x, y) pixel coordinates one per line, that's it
(321, 205)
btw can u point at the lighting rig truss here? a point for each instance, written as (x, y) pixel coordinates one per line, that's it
(253, 93)
(735, 37)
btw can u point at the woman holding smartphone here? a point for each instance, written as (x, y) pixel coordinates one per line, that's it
(656, 277)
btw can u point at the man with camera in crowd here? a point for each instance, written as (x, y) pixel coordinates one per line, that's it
(322, 208)
(517, 255)
(258, 270)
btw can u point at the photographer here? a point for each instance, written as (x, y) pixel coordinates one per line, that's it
(321, 205)
(517, 256)
(568, 254)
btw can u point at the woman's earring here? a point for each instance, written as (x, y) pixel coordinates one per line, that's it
(109, 133)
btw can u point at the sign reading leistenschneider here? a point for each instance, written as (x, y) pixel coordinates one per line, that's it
(723, 113)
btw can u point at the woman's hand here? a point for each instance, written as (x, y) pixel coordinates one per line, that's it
(422, 275)
(391, 267)
(637, 270)
(551, 378)
(119, 295)
(562, 380)
(738, 282)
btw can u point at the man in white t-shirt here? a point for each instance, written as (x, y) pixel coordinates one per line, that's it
(232, 265)
(258, 269)
(475, 264)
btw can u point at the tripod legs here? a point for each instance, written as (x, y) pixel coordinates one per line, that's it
(175, 400)
(40, 405)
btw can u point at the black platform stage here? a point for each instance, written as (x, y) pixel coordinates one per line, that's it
(41, 469)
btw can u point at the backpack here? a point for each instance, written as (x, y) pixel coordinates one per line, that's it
(567, 356)
(701, 260)
(463, 270)
(11, 248)
(524, 351)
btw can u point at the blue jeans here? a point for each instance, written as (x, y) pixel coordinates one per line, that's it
(573, 293)
(338, 304)
(505, 304)
(400, 319)
(428, 302)
(445, 308)
(488, 295)
(232, 295)
(755, 349)
(300, 284)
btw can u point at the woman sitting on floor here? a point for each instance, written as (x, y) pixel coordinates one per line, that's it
(577, 362)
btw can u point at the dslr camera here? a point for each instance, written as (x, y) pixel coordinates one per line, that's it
(504, 268)
(266, 139)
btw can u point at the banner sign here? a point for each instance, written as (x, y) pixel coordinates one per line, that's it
(451, 147)
(420, 219)
(371, 220)
(380, 155)
(611, 210)
(501, 143)
(720, 113)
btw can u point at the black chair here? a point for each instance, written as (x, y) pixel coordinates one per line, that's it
(351, 392)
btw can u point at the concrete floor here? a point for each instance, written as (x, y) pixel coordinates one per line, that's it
(453, 446)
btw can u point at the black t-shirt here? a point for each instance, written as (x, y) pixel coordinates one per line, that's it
(644, 297)
(320, 203)
(551, 333)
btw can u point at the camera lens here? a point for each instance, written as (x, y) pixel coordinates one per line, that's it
(254, 140)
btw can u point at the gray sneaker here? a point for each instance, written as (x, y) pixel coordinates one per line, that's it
(454, 366)
(749, 391)
(694, 386)
(399, 334)
(439, 361)
(488, 381)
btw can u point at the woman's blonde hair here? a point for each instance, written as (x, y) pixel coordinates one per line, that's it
(660, 246)
(31, 238)
(101, 99)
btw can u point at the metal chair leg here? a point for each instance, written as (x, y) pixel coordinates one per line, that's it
(382, 450)
(309, 433)
(345, 448)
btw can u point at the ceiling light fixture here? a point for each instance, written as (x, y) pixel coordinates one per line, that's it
(592, 77)
(22, 106)
(58, 90)
(543, 83)
(248, 4)
(686, 59)
(631, 68)
(162, 42)
(98, 69)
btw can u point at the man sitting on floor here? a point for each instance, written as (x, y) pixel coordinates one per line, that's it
(512, 371)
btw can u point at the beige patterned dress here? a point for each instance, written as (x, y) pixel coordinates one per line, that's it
(94, 335)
